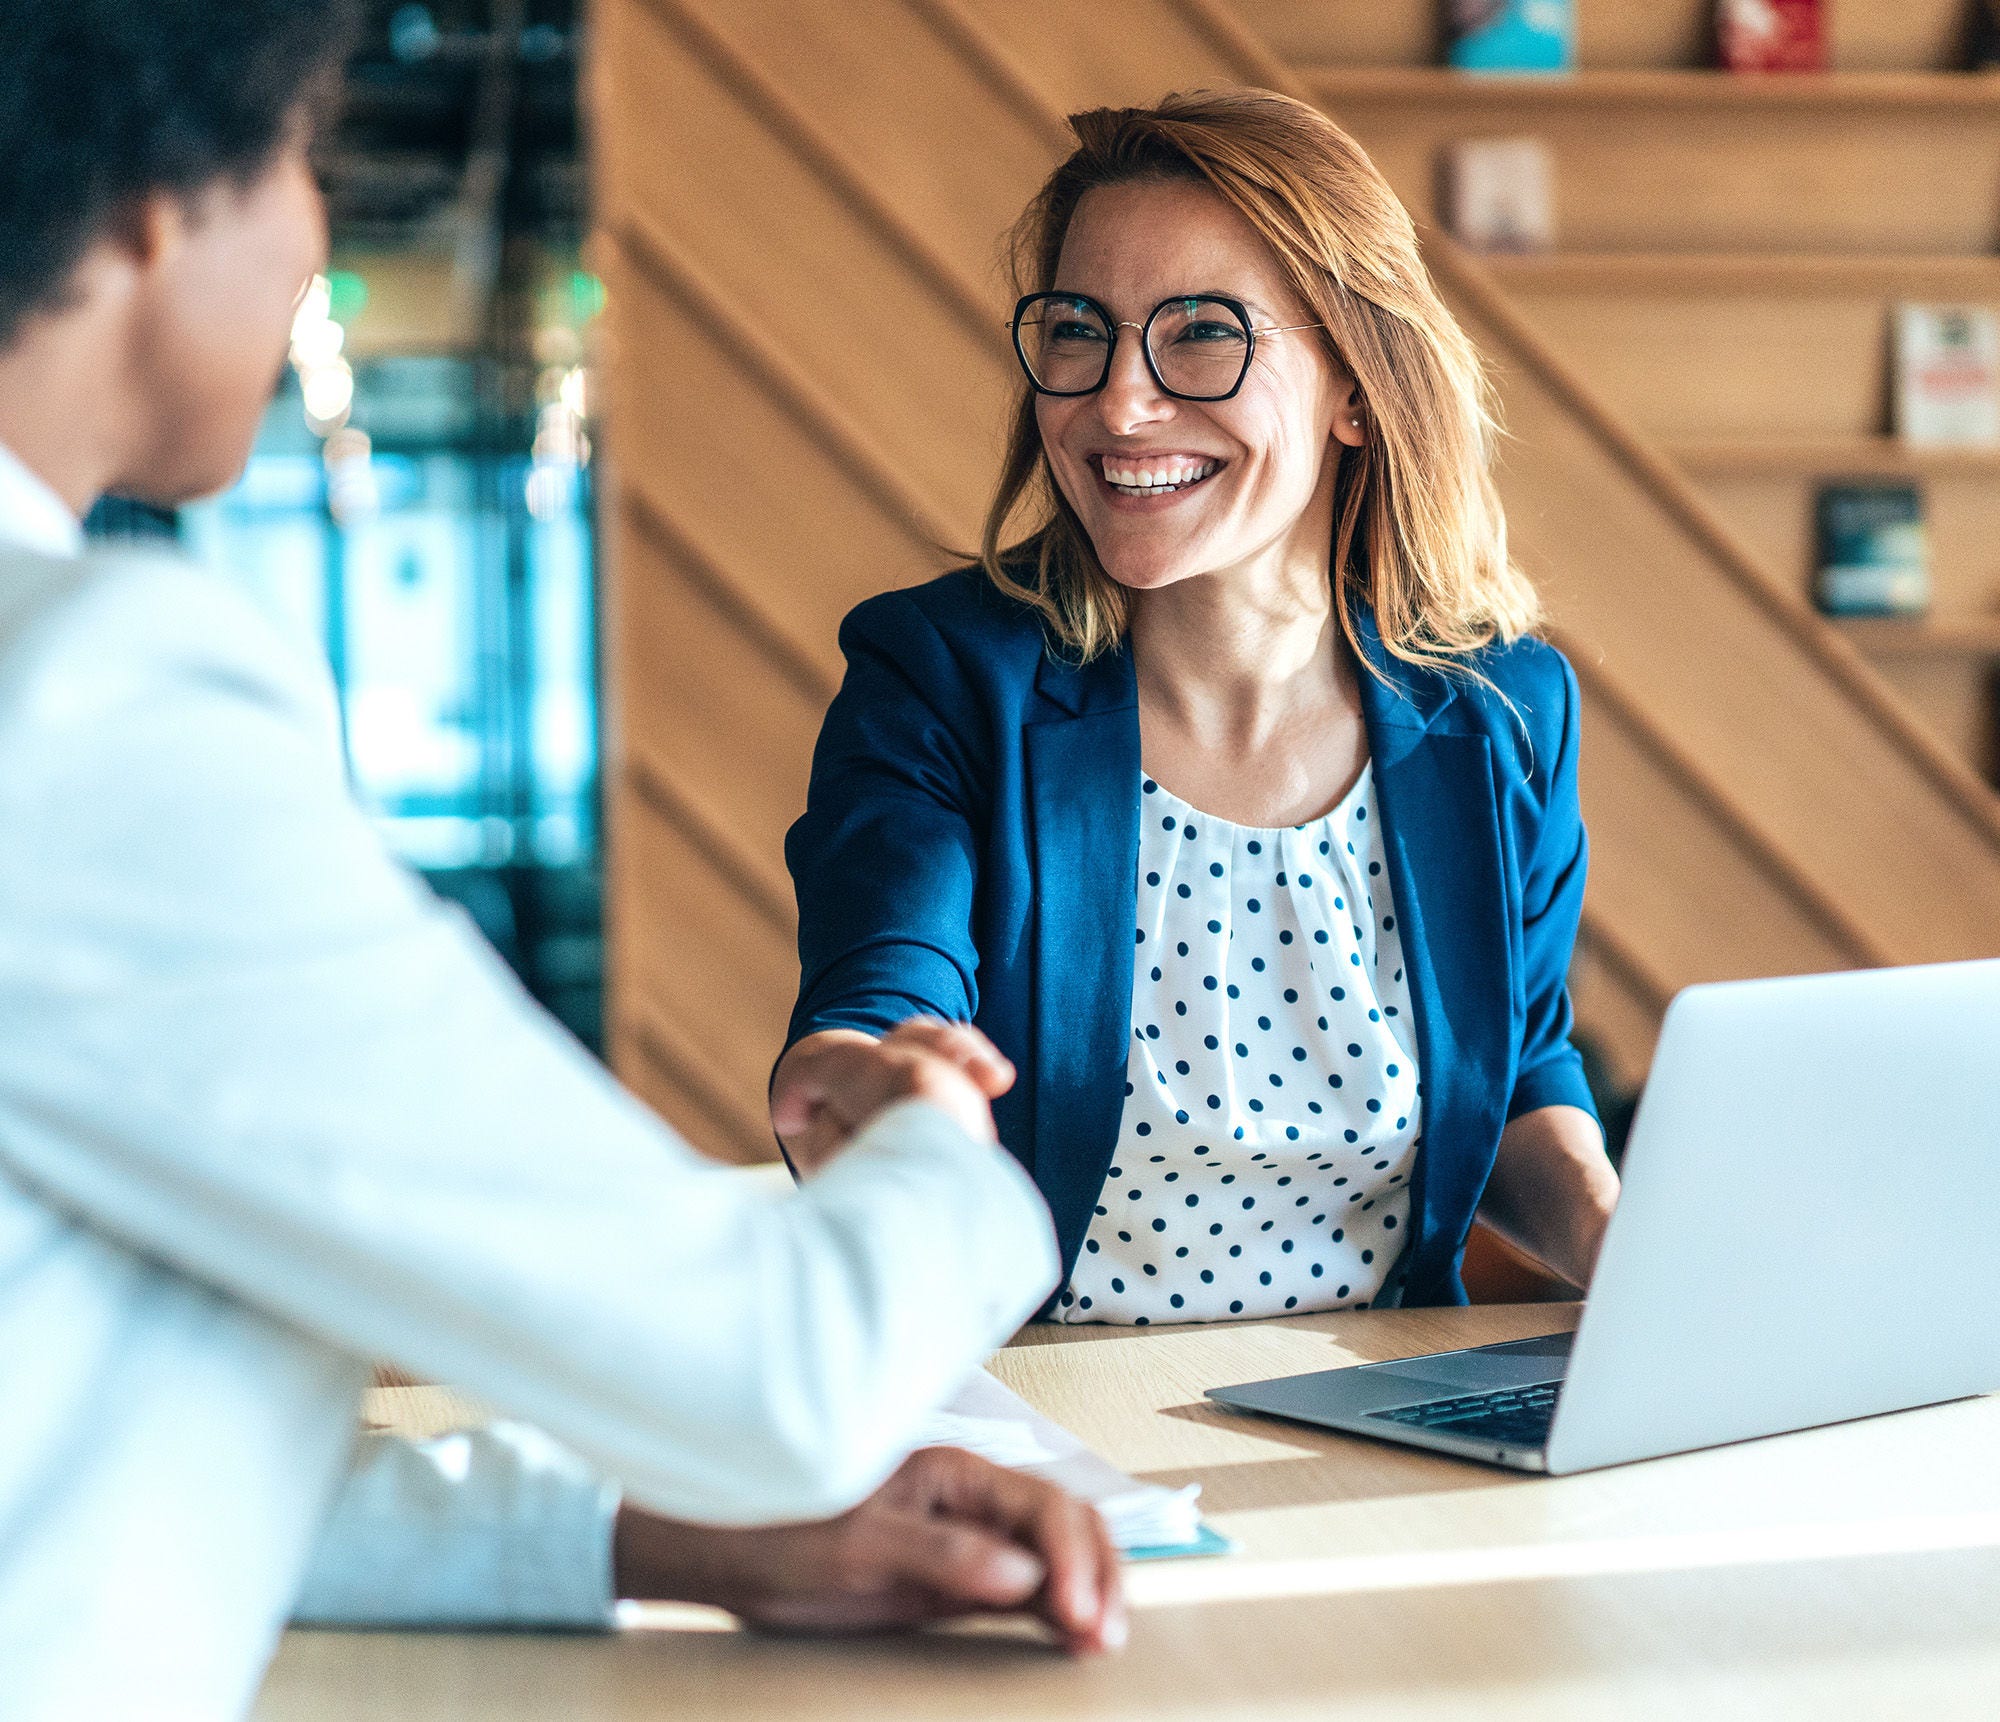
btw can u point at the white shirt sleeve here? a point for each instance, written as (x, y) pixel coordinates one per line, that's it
(498, 1526)
(242, 1041)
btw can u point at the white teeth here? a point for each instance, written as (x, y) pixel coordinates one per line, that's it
(1154, 480)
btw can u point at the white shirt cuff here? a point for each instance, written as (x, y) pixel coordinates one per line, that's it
(493, 1527)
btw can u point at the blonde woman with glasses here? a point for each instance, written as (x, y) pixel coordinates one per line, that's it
(1222, 823)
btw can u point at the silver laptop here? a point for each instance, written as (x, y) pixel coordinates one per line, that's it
(1809, 1231)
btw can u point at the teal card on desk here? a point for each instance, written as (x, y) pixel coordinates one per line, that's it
(1207, 1541)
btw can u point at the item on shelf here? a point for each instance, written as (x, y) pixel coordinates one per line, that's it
(1499, 194)
(1947, 376)
(1512, 35)
(1983, 47)
(1874, 553)
(1770, 35)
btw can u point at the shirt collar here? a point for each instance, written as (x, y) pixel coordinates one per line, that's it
(32, 516)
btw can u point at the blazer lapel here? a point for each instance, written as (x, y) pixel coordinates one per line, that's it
(1082, 740)
(1441, 829)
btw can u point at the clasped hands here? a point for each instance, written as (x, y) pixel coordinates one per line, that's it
(949, 1533)
(831, 1083)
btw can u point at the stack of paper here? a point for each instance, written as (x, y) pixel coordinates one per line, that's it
(1144, 1519)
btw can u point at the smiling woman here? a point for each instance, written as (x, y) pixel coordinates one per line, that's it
(1229, 798)
(1277, 195)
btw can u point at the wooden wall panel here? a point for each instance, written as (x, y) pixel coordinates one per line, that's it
(1685, 904)
(1347, 32)
(1124, 53)
(805, 273)
(1954, 692)
(679, 1087)
(799, 211)
(702, 712)
(1616, 1012)
(761, 498)
(714, 977)
(831, 62)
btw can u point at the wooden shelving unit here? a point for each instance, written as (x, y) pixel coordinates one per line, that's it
(1656, 87)
(1890, 276)
(1829, 457)
(1725, 308)
(1941, 636)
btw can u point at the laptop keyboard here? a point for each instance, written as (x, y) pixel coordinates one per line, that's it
(1512, 1416)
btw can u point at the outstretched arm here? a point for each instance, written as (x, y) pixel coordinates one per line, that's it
(242, 1042)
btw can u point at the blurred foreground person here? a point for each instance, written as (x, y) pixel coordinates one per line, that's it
(268, 1111)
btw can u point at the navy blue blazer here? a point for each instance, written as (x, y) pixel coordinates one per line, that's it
(970, 850)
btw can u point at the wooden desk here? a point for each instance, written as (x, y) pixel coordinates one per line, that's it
(1847, 1572)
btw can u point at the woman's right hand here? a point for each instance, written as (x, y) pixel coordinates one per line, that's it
(830, 1084)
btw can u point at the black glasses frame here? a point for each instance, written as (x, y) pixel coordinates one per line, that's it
(1028, 301)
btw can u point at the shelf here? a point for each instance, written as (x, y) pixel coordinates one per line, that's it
(1828, 457)
(1944, 636)
(1700, 88)
(1747, 271)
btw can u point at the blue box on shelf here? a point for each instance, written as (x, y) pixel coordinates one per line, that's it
(1513, 35)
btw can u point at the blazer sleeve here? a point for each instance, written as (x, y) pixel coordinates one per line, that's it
(1550, 1072)
(885, 858)
(242, 1042)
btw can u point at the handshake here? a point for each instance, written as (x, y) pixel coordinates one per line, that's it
(831, 1083)
(949, 1534)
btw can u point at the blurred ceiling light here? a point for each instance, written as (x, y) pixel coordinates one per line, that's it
(346, 446)
(315, 306)
(328, 391)
(316, 344)
(559, 439)
(352, 493)
(549, 489)
(326, 380)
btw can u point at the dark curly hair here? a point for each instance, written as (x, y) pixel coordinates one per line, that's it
(105, 101)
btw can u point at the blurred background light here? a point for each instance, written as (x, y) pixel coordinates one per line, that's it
(417, 508)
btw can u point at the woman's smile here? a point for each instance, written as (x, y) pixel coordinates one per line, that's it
(1151, 481)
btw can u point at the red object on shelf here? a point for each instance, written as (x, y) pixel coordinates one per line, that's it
(1771, 35)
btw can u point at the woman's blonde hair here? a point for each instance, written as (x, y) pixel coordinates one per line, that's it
(1418, 530)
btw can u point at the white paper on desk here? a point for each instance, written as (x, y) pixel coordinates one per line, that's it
(997, 1424)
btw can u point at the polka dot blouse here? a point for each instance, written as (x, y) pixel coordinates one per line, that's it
(1271, 1115)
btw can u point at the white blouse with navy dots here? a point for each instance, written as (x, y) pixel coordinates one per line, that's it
(1272, 1114)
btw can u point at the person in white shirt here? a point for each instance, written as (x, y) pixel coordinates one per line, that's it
(268, 1111)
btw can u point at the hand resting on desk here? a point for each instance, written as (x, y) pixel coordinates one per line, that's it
(948, 1534)
(831, 1083)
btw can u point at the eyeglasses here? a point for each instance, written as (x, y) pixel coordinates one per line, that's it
(1198, 349)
